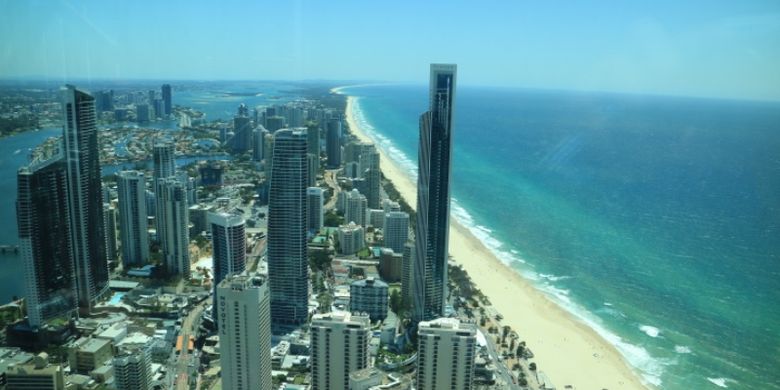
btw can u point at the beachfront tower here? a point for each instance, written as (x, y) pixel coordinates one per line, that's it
(133, 228)
(44, 231)
(288, 268)
(339, 346)
(244, 332)
(433, 195)
(446, 349)
(85, 198)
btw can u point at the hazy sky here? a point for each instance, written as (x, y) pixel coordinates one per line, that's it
(706, 48)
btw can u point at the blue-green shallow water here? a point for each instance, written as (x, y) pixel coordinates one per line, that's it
(656, 220)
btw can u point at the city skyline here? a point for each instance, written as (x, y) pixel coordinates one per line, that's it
(705, 49)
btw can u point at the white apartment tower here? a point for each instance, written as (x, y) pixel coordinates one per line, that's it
(339, 346)
(315, 209)
(446, 349)
(133, 228)
(245, 332)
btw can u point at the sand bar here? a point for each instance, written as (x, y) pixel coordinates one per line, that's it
(567, 350)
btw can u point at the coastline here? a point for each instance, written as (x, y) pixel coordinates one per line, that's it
(590, 361)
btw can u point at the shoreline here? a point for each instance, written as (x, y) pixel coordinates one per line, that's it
(590, 362)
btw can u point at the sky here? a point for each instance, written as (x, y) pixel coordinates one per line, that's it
(725, 49)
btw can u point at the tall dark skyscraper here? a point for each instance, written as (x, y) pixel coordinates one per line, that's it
(87, 228)
(333, 143)
(433, 195)
(288, 269)
(44, 234)
(167, 99)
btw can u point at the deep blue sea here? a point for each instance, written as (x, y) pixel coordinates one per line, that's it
(656, 220)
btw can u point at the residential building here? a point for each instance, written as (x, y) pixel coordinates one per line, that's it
(333, 143)
(369, 296)
(173, 225)
(351, 239)
(288, 265)
(339, 346)
(396, 230)
(228, 239)
(433, 195)
(356, 206)
(133, 228)
(315, 209)
(85, 203)
(44, 241)
(245, 332)
(446, 349)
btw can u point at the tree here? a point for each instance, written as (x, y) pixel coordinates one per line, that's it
(396, 302)
(532, 366)
(521, 350)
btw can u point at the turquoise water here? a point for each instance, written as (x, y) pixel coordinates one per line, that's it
(656, 220)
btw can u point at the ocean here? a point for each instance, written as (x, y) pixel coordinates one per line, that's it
(653, 219)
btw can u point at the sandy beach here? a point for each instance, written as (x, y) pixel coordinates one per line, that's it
(566, 350)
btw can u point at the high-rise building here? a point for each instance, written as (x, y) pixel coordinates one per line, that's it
(433, 195)
(133, 368)
(446, 349)
(369, 166)
(396, 230)
(228, 239)
(369, 296)
(356, 206)
(313, 140)
(167, 99)
(339, 346)
(242, 135)
(173, 222)
(312, 166)
(314, 208)
(110, 222)
(142, 114)
(268, 155)
(164, 160)
(333, 143)
(351, 238)
(274, 123)
(407, 272)
(258, 145)
(85, 201)
(44, 234)
(244, 332)
(287, 253)
(133, 227)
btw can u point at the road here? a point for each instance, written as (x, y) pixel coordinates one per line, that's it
(502, 370)
(183, 364)
(332, 182)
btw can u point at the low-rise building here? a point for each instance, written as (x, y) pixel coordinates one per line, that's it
(87, 354)
(37, 374)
